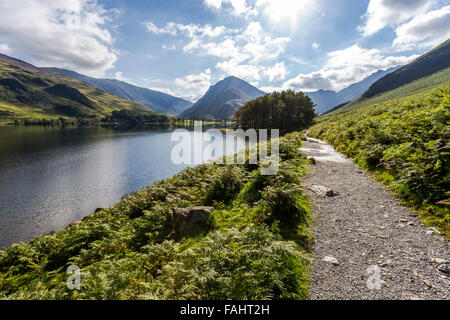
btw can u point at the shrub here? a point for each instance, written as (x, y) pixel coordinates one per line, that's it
(225, 185)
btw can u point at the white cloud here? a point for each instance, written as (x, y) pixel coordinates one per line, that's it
(429, 29)
(168, 29)
(4, 48)
(67, 34)
(247, 72)
(285, 11)
(189, 30)
(315, 45)
(384, 13)
(345, 67)
(277, 72)
(244, 53)
(278, 12)
(236, 7)
(119, 76)
(194, 86)
(169, 48)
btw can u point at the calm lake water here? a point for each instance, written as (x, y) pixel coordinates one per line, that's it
(51, 177)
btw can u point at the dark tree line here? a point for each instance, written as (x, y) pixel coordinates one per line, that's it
(285, 111)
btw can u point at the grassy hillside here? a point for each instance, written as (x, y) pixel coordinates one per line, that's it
(28, 93)
(255, 245)
(156, 101)
(433, 61)
(435, 80)
(404, 142)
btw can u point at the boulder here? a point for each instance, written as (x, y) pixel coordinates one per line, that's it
(181, 222)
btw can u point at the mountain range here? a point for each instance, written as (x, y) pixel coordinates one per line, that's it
(326, 100)
(431, 70)
(429, 63)
(223, 99)
(157, 101)
(29, 92)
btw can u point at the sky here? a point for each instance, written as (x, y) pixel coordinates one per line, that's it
(182, 47)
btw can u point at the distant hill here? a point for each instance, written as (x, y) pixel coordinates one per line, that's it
(155, 100)
(222, 100)
(328, 99)
(28, 92)
(437, 79)
(433, 61)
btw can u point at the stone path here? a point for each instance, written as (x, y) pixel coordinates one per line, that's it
(367, 245)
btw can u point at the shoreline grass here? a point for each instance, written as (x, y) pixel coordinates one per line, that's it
(256, 247)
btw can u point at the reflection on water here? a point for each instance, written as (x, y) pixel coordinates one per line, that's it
(51, 177)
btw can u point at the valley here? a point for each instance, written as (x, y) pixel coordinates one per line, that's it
(361, 186)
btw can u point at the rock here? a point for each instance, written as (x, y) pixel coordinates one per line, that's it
(427, 283)
(322, 191)
(431, 231)
(444, 269)
(387, 263)
(183, 221)
(438, 260)
(332, 260)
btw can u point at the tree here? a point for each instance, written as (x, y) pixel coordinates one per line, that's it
(287, 111)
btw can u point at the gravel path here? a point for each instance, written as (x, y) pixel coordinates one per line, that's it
(367, 245)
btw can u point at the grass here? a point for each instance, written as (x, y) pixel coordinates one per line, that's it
(404, 143)
(427, 83)
(25, 94)
(255, 246)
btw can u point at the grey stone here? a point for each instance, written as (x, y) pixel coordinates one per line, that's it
(332, 260)
(431, 231)
(322, 191)
(438, 260)
(181, 221)
(444, 268)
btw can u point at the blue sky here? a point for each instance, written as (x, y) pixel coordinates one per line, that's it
(182, 47)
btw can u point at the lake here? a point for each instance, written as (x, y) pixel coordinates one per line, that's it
(51, 177)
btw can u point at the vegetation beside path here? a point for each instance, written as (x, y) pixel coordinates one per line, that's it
(405, 143)
(255, 246)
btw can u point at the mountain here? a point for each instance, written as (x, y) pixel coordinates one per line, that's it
(223, 99)
(433, 61)
(29, 92)
(155, 100)
(326, 100)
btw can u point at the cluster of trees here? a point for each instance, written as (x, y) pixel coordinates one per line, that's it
(285, 111)
(135, 118)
